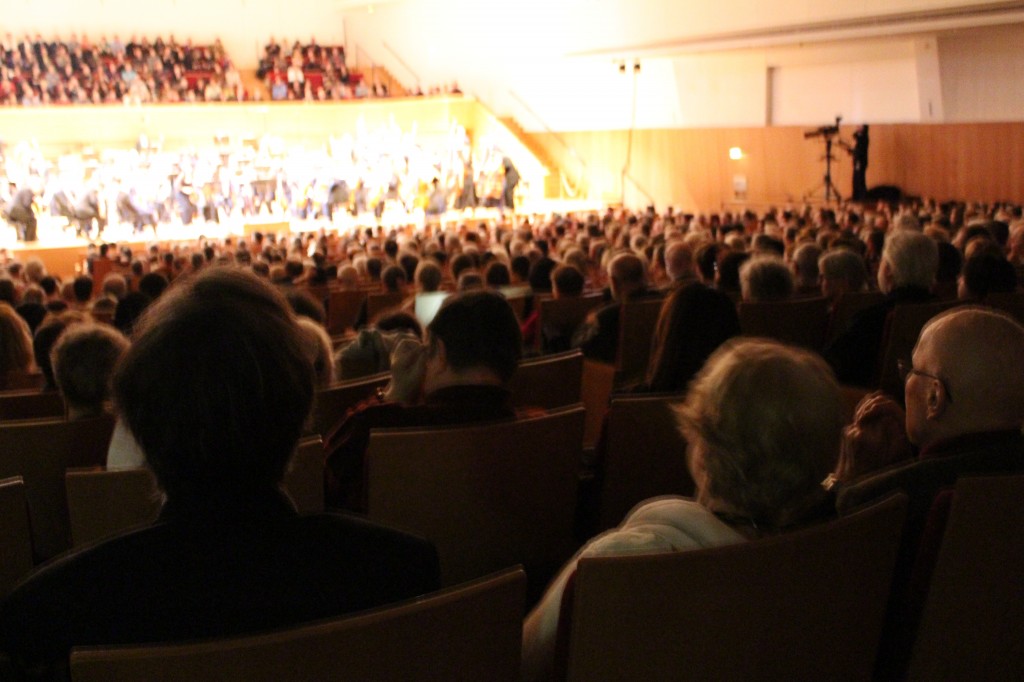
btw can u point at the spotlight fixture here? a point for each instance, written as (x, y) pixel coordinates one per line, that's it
(636, 67)
(622, 67)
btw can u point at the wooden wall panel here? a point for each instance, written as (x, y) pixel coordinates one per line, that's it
(691, 169)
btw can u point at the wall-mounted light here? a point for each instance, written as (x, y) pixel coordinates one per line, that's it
(735, 153)
(636, 67)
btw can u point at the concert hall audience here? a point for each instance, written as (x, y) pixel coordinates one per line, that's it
(461, 372)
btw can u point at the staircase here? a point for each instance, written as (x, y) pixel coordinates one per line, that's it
(553, 182)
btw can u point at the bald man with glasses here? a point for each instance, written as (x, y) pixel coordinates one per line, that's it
(964, 391)
(964, 395)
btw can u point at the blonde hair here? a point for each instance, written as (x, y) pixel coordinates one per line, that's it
(764, 421)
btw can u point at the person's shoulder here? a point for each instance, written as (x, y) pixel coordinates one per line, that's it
(665, 524)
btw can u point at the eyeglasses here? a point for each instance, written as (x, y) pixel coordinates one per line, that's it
(906, 369)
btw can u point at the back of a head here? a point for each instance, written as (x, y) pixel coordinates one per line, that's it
(393, 278)
(694, 321)
(114, 285)
(845, 265)
(497, 275)
(428, 276)
(566, 280)
(153, 284)
(216, 388)
(540, 275)
(763, 423)
(479, 330)
(805, 262)
(319, 348)
(766, 278)
(912, 259)
(83, 361)
(15, 342)
(985, 274)
(627, 269)
(678, 260)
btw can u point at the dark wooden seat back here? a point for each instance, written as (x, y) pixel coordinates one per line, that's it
(637, 322)
(974, 613)
(488, 496)
(31, 404)
(801, 321)
(40, 452)
(343, 309)
(467, 633)
(804, 605)
(644, 455)
(548, 381)
(902, 328)
(561, 316)
(331, 403)
(15, 534)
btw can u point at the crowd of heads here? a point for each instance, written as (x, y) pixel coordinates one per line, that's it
(50, 70)
(77, 333)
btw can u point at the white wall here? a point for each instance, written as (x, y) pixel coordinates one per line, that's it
(982, 74)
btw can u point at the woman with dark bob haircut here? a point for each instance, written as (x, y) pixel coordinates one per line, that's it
(215, 389)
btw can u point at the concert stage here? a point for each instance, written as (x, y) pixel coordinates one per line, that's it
(63, 252)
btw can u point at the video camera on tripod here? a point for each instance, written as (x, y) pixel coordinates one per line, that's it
(824, 131)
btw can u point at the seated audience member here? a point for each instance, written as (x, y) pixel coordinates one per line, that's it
(81, 289)
(765, 279)
(984, 274)
(45, 339)
(694, 321)
(129, 309)
(83, 361)
(727, 276)
(229, 554)
(905, 276)
(472, 350)
(679, 265)
(32, 308)
(566, 282)
(805, 270)
(428, 277)
(762, 422)
(318, 346)
(598, 336)
(948, 272)
(15, 347)
(469, 280)
(964, 395)
(842, 271)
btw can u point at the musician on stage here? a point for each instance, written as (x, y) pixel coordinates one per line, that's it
(20, 212)
(859, 151)
(509, 185)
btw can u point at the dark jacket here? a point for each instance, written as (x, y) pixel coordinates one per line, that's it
(206, 573)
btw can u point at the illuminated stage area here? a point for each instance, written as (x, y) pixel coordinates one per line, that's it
(63, 252)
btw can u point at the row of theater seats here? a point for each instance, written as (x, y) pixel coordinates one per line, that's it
(804, 605)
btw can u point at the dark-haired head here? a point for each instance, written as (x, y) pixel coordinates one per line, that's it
(216, 388)
(478, 330)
